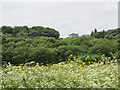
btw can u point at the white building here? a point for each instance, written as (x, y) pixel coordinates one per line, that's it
(73, 35)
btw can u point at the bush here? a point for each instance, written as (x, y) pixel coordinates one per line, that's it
(44, 55)
(103, 46)
(64, 51)
(117, 54)
(89, 59)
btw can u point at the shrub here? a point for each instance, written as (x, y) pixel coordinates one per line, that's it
(64, 51)
(117, 54)
(43, 55)
(103, 46)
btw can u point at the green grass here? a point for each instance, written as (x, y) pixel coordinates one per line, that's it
(61, 75)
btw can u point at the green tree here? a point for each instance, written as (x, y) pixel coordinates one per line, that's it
(7, 29)
(95, 30)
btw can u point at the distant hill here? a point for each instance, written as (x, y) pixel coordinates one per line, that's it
(24, 31)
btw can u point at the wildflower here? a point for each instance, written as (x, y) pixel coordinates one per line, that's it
(59, 67)
(75, 63)
(64, 66)
(69, 78)
(71, 55)
(71, 61)
(92, 62)
(83, 63)
(81, 67)
(41, 63)
(74, 58)
(87, 57)
(72, 72)
(95, 59)
(77, 70)
(89, 62)
(56, 76)
(68, 59)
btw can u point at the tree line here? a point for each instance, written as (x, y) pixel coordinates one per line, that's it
(21, 44)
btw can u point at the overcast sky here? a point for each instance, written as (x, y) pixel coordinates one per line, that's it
(66, 17)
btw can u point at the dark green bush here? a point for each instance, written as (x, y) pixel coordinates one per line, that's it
(44, 55)
(64, 51)
(117, 54)
(103, 46)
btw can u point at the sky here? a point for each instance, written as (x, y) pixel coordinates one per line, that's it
(64, 16)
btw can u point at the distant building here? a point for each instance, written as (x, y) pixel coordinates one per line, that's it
(73, 35)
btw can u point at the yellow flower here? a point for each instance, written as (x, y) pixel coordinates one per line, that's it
(75, 63)
(56, 76)
(72, 72)
(92, 62)
(87, 57)
(83, 63)
(89, 62)
(71, 61)
(69, 78)
(81, 67)
(80, 73)
(77, 70)
(79, 57)
(68, 59)
(71, 55)
(41, 63)
(74, 59)
(64, 66)
(59, 67)
(95, 59)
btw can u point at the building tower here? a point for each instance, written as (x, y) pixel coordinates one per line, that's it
(73, 35)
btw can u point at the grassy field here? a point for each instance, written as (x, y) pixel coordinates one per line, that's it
(62, 75)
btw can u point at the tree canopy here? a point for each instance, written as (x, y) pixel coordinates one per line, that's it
(22, 44)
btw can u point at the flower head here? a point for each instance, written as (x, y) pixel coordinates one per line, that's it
(81, 67)
(83, 63)
(89, 62)
(71, 61)
(71, 55)
(69, 78)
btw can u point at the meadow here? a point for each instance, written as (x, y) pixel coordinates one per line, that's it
(69, 74)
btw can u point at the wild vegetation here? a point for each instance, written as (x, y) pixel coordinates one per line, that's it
(37, 58)
(69, 74)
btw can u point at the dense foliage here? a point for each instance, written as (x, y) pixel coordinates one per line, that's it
(21, 44)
